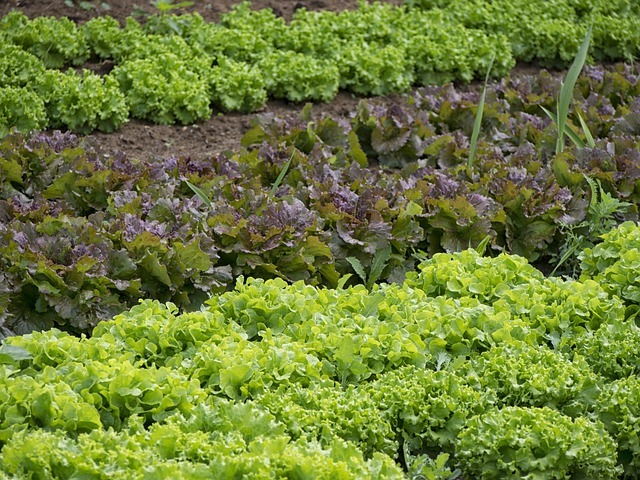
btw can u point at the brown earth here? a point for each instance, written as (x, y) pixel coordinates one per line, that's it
(143, 140)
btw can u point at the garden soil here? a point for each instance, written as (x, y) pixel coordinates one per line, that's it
(146, 141)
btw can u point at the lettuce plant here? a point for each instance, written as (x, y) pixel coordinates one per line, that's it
(618, 409)
(613, 262)
(18, 68)
(613, 350)
(521, 442)
(164, 90)
(82, 102)
(237, 87)
(299, 77)
(22, 109)
(55, 41)
(536, 376)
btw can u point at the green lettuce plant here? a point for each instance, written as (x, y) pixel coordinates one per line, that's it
(21, 109)
(520, 442)
(298, 77)
(55, 41)
(237, 86)
(163, 89)
(613, 262)
(617, 408)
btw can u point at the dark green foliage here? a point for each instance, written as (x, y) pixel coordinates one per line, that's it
(139, 230)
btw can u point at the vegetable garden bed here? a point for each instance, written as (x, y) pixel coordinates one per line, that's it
(359, 288)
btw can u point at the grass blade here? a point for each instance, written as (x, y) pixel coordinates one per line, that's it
(566, 90)
(200, 194)
(478, 121)
(587, 133)
(569, 132)
(283, 172)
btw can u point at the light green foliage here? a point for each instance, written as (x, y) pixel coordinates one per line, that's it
(164, 90)
(55, 41)
(22, 109)
(535, 376)
(613, 350)
(217, 441)
(535, 443)
(375, 49)
(54, 348)
(100, 34)
(320, 413)
(18, 68)
(298, 77)
(551, 306)
(427, 468)
(601, 218)
(240, 45)
(83, 102)
(34, 402)
(617, 36)
(548, 32)
(313, 33)
(278, 380)
(615, 261)
(441, 52)
(237, 87)
(374, 69)
(619, 409)
(264, 22)
(80, 397)
(428, 408)
(469, 274)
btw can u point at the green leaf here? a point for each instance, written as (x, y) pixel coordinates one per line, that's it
(570, 132)
(587, 133)
(563, 174)
(371, 304)
(199, 193)
(357, 266)
(566, 91)
(379, 262)
(11, 170)
(10, 354)
(356, 151)
(343, 280)
(152, 265)
(478, 120)
(192, 256)
(283, 172)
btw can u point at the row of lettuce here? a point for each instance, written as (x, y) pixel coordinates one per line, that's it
(175, 68)
(85, 235)
(474, 367)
